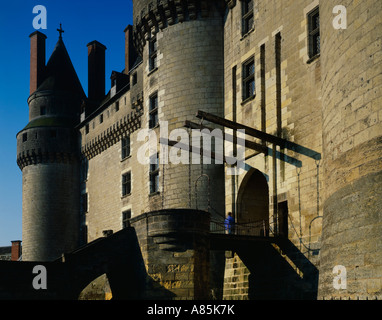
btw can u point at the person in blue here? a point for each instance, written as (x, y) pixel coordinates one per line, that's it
(229, 223)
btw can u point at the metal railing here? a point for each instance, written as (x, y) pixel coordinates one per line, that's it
(258, 228)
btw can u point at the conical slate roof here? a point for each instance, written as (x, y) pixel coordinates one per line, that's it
(60, 74)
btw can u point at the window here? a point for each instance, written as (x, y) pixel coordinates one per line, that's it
(42, 111)
(135, 78)
(101, 118)
(249, 79)
(153, 47)
(84, 202)
(126, 215)
(153, 111)
(314, 33)
(87, 129)
(125, 147)
(247, 17)
(154, 173)
(84, 169)
(117, 105)
(126, 184)
(25, 137)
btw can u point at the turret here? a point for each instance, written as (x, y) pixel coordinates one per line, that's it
(48, 155)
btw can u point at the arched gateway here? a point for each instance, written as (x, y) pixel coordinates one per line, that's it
(253, 205)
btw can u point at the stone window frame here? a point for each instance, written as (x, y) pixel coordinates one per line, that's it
(154, 183)
(126, 184)
(248, 78)
(153, 111)
(247, 14)
(42, 110)
(126, 216)
(84, 203)
(125, 147)
(314, 50)
(153, 54)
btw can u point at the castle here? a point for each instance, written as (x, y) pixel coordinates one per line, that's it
(308, 95)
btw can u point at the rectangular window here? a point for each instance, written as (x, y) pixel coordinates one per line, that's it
(101, 118)
(314, 32)
(25, 137)
(247, 16)
(135, 78)
(125, 147)
(87, 129)
(126, 184)
(154, 173)
(249, 79)
(126, 215)
(42, 110)
(84, 203)
(117, 106)
(153, 48)
(153, 111)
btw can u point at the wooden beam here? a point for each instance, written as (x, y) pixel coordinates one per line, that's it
(283, 143)
(251, 145)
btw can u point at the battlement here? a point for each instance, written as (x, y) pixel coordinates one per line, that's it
(152, 16)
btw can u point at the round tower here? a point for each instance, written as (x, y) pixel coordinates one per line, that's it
(47, 154)
(181, 44)
(350, 257)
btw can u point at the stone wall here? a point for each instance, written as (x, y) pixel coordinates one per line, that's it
(286, 104)
(174, 246)
(50, 228)
(352, 91)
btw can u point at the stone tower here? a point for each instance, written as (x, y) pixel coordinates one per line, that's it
(47, 154)
(187, 76)
(181, 45)
(351, 109)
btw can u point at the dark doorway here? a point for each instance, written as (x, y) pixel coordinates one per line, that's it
(283, 218)
(253, 205)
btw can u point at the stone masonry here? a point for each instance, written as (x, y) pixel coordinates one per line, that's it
(313, 184)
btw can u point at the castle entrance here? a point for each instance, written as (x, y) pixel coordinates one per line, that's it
(253, 205)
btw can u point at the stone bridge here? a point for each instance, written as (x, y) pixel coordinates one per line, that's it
(118, 256)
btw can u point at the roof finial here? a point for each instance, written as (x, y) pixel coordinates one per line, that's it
(60, 31)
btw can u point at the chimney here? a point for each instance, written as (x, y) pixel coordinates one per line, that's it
(96, 71)
(37, 60)
(130, 52)
(15, 250)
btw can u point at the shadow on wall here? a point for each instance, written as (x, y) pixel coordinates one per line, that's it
(279, 271)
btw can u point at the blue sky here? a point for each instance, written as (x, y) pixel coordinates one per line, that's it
(83, 22)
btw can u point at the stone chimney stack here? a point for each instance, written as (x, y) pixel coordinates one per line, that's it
(130, 52)
(37, 60)
(96, 71)
(15, 250)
